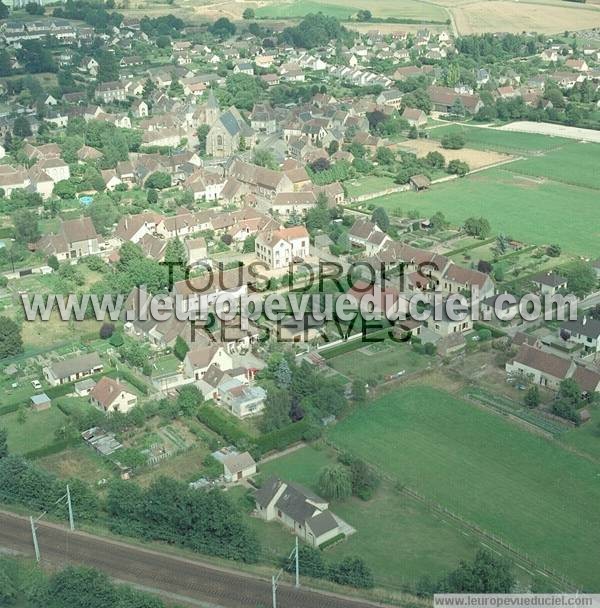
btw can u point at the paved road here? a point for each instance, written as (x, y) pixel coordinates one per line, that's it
(194, 583)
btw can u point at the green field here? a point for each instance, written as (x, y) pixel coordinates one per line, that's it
(401, 9)
(501, 141)
(575, 164)
(37, 431)
(368, 184)
(521, 487)
(397, 536)
(524, 208)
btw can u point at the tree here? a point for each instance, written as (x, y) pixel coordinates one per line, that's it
(3, 11)
(569, 391)
(364, 15)
(103, 213)
(222, 28)
(318, 217)
(3, 443)
(435, 160)
(310, 560)
(453, 141)
(11, 342)
(478, 226)
(264, 158)
(457, 167)
(380, 217)
(26, 223)
(335, 482)
(248, 13)
(277, 410)
(152, 196)
(158, 180)
(352, 571)
(554, 251)
(202, 134)
(33, 8)
(106, 330)
(484, 266)
(458, 107)
(21, 127)
(181, 348)
(581, 278)
(189, 399)
(532, 396)
(65, 189)
(413, 133)
(359, 392)
(486, 574)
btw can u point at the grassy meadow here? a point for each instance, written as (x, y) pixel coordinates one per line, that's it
(530, 492)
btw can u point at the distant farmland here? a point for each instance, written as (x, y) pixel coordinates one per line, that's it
(530, 492)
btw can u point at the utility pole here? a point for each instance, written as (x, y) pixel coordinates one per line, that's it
(274, 589)
(297, 564)
(35, 542)
(71, 522)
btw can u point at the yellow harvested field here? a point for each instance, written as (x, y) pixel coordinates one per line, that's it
(476, 159)
(512, 16)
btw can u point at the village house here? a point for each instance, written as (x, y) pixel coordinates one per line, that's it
(584, 331)
(543, 368)
(280, 248)
(74, 368)
(549, 283)
(197, 361)
(76, 238)
(111, 396)
(414, 117)
(287, 204)
(368, 235)
(238, 466)
(296, 507)
(240, 398)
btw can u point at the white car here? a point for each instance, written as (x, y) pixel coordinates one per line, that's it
(36, 384)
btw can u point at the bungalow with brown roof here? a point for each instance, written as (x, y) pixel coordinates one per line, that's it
(543, 368)
(111, 396)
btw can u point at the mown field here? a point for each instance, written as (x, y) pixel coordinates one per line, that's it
(502, 141)
(397, 536)
(521, 487)
(526, 208)
(575, 164)
(401, 9)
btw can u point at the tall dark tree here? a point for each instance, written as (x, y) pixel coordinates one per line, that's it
(11, 342)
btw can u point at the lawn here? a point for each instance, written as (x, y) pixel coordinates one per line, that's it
(525, 489)
(501, 141)
(35, 432)
(398, 537)
(524, 208)
(377, 360)
(80, 462)
(586, 438)
(368, 184)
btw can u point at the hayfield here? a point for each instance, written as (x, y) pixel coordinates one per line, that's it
(499, 140)
(37, 430)
(476, 159)
(530, 492)
(530, 209)
(511, 16)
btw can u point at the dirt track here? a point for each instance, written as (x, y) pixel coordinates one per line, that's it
(191, 582)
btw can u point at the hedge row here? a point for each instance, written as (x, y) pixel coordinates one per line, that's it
(9, 409)
(284, 437)
(54, 448)
(332, 541)
(474, 245)
(220, 424)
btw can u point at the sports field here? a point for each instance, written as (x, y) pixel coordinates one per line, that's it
(534, 210)
(521, 487)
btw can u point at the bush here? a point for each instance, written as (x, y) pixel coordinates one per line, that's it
(116, 340)
(286, 436)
